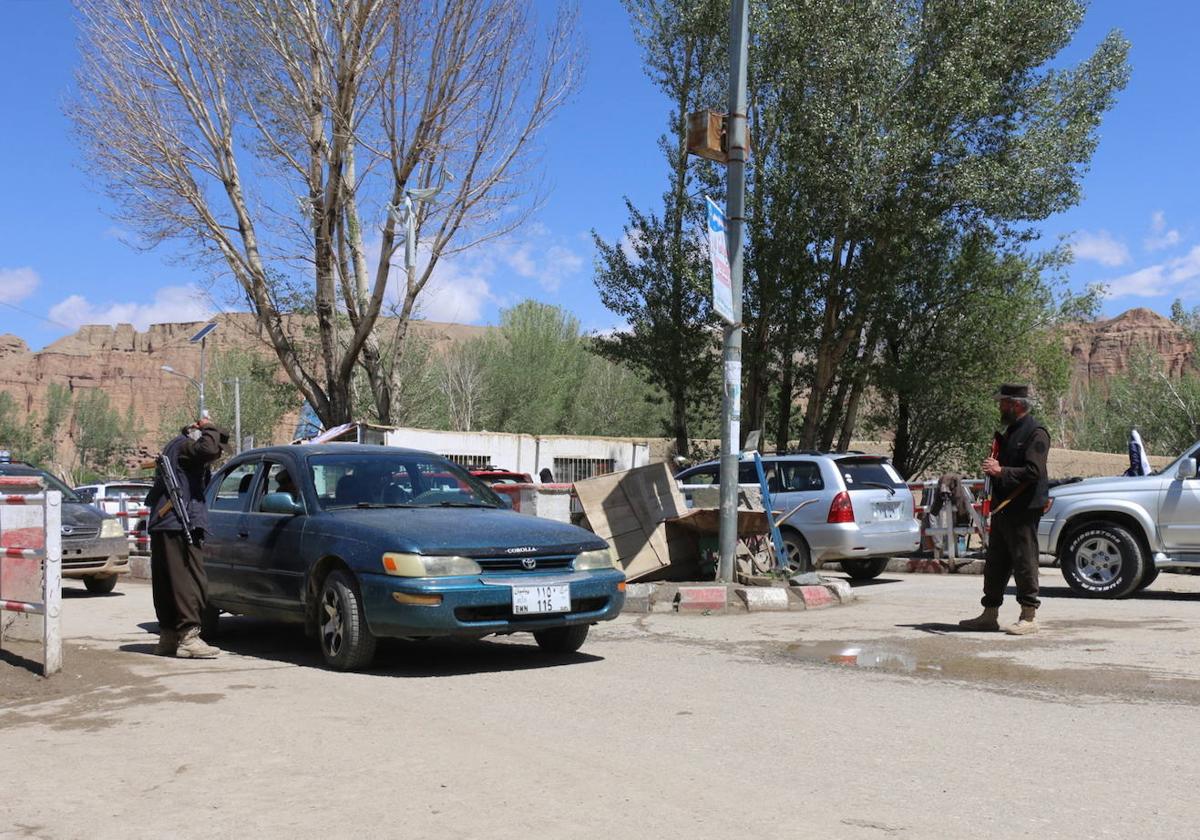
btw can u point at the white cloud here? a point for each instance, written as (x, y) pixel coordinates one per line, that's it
(630, 242)
(457, 293)
(16, 284)
(170, 304)
(1160, 237)
(1171, 277)
(1099, 247)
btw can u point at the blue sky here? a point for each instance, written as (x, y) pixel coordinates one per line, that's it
(63, 262)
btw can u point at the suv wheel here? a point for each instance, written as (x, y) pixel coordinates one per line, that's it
(1103, 560)
(865, 568)
(100, 584)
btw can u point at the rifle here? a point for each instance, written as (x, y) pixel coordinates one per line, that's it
(174, 497)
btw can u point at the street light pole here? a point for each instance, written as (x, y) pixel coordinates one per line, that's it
(202, 342)
(735, 206)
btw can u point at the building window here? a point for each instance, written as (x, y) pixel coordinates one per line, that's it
(570, 470)
(470, 462)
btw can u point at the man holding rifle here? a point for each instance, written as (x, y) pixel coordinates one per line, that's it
(1017, 469)
(178, 518)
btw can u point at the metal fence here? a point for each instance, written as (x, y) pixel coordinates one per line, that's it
(31, 561)
(470, 462)
(570, 470)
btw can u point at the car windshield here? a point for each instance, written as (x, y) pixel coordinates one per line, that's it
(52, 483)
(395, 479)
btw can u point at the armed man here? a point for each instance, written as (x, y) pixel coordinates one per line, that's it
(1017, 469)
(178, 519)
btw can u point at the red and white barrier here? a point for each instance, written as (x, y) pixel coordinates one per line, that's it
(31, 560)
(131, 512)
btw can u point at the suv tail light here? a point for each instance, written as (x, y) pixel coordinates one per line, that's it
(841, 509)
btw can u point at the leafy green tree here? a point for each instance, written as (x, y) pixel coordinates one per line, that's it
(883, 125)
(657, 278)
(101, 435)
(1165, 411)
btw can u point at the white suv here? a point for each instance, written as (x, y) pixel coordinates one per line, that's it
(861, 516)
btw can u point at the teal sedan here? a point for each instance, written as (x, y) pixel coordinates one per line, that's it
(363, 542)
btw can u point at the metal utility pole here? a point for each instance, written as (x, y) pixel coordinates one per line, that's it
(735, 205)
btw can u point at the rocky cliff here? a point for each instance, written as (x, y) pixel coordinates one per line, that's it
(128, 365)
(1101, 349)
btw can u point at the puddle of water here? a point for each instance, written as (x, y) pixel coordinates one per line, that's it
(994, 670)
(888, 660)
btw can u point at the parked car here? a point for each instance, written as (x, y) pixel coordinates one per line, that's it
(132, 490)
(496, 475)
(1112, 536)
(861, 512)
(375, 541)
(94, 546)
(123, 499)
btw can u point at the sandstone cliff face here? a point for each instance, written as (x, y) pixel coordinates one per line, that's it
(1103, 348)
(128, 365)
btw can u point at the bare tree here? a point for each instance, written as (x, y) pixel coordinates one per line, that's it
(273, 139)
(461, 379)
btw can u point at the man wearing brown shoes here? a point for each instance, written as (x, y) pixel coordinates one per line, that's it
(1017, 469)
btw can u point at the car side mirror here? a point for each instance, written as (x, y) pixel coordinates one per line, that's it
(1187, 469)
(281, 503)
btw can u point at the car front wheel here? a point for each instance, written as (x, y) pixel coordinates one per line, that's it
(865, 568)
(100, 585)
(1103, 560)
(346, 641)
(561, 639)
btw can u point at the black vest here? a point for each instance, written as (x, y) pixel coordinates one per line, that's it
(1012, 454)
(193, 475)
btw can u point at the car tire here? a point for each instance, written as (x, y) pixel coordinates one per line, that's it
(865, 568)
(799, 558)
(562, 639)
(346, 642)
(1149, 577)
(210, 623)
(100, 584)
(1103, 560)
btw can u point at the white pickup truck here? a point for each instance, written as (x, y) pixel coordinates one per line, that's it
(1112, 536)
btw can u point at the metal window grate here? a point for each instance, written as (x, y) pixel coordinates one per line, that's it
(570, 470)
(470, 461)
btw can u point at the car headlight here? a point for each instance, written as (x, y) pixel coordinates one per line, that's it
(601, 558)
(112, 528)
(418, 565)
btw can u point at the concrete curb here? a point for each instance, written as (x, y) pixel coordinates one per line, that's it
(724, 598)
(961, 566)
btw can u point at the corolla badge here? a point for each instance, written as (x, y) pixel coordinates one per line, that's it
(529, 563)
(521, 549)
(67, 530)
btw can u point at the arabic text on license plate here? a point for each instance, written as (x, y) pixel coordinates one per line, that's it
(528, 600)
(887, 511)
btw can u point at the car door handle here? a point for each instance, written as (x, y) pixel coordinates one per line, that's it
(243, 535)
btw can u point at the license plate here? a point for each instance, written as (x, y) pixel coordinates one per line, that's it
(529, 600)
(887, 510)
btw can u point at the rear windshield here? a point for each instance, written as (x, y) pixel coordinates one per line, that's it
(869, 474)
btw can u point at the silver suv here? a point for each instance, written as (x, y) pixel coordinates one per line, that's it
(862, 511)
(1112, 536)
